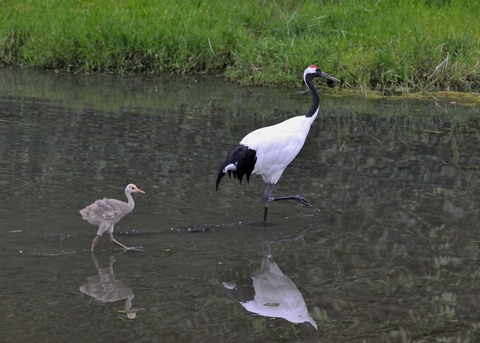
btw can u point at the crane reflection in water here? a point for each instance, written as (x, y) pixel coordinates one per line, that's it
(105, 288)
(267, 291)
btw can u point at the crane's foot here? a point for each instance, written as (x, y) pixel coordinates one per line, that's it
(302, 200)
(135, 248)
(114, 241)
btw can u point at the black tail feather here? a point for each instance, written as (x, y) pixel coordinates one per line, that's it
(244, 158)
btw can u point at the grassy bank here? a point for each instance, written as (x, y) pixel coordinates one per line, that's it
(385, 45)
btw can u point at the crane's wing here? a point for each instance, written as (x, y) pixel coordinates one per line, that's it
(106, 208)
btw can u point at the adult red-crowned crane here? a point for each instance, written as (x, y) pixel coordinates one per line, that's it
(107, 212)
(269, 150)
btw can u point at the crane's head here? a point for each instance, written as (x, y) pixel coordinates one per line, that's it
(131, 188)
(315, 71)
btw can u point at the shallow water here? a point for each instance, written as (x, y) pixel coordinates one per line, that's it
(388, 253)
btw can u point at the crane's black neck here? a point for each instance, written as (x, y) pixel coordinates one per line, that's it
(315, 98)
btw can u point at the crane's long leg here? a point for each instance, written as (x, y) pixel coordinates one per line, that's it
(94, 243)
(267, 197)
(114, 241)
(103, 227)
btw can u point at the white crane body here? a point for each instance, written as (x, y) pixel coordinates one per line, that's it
(269, 150)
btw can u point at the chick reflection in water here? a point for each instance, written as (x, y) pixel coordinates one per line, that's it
(267, 292)
(105, 287)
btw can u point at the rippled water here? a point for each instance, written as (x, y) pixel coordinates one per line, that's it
(388, 253)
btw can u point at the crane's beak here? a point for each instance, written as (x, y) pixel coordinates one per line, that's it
(138, 190)
(329, 77)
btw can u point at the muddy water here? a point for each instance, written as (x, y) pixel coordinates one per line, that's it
(388, 253)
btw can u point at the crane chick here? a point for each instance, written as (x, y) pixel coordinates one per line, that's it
(107, 212)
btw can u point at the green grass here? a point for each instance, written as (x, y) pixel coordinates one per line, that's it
(384, 45)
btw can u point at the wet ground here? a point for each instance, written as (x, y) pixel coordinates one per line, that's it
(388, 253)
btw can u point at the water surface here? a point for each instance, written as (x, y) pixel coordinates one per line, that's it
(388, 253)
